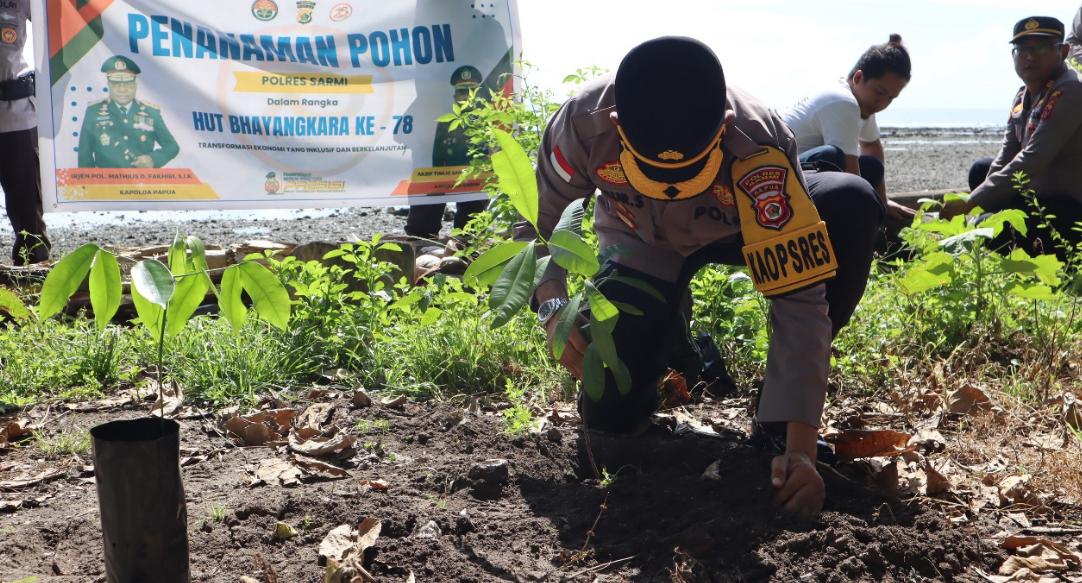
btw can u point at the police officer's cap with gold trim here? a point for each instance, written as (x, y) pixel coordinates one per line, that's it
(1032, 26)
(466, 77)
(120, 69)
(670, 100)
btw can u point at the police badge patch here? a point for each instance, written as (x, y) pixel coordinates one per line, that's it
(765, 186)
(9, 36)
(105, 141)
(612, 173)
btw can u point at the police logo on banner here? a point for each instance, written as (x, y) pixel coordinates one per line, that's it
(341, 12)
(766, 188)
(9, 36)
(304, 11)
(264, 10)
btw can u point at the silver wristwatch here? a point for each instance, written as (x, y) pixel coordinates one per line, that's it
(549, 308)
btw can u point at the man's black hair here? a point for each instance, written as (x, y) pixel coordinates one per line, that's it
(889, 57)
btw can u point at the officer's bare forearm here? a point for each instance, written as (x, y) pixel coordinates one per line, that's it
(801, 438)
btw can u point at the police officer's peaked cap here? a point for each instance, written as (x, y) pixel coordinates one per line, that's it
(1038, 26)
(120, 68)
(466, 77)
(670, 99)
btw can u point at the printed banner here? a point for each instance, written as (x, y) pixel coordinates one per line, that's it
(204, 104)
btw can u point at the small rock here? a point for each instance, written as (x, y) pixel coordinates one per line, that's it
(713, 471)
(493, 471)
(206, 527)
(247, 579)
(425, 262)
(429, 530)
(361, 398)
(453, 265)
(553, 434)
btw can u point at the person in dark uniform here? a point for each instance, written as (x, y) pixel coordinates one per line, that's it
(449, 148)
(1043, 140)
(121, 131)
(691, 172)
(19, 174)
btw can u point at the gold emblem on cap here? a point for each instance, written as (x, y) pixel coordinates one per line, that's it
(671, 155)
(1032, 24)
(119, 65)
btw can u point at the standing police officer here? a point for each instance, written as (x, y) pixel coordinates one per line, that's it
(449, 148)
(19, 174)
(121, 131)
(692, 172)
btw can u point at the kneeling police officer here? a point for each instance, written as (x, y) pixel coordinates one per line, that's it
(692, 172)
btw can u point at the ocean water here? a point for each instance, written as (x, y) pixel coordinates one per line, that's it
(941, 117)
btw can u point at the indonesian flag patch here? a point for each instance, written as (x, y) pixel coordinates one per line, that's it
(560, 165)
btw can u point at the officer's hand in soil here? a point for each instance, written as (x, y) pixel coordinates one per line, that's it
(143, 161)
(576, 343)
(800, 487)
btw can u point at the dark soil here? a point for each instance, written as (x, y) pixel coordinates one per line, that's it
(661, 520)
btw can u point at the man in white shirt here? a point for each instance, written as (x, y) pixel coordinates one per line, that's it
(836, 128)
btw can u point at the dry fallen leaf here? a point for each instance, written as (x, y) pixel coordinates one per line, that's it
(14, 431)
(173, 396)
(968, 399)
(43, 477)
(310, 442)
(276, 472)
(673, 390)
(316, 416)
(398, 402)
(343, 550)
(852, 444)
(1072, 415)
(338, 542)
(283, 531)
(261, 428)
(938, 483)
(375, 485)
(1015, 490)
(320, 468)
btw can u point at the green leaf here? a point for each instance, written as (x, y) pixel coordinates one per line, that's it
(199, 259)
(11, 305)
(571, 218)
(1015, 217)
(178, 256)
(190, 293)
(567, 318)
(639, 285)
(485, 269)
(230, 302)
(64, 278)
(628, 308)
(445, 118)
(516, 175)
(972, 235)
(1032, 292)
(601, 309)
(105, 288)
(431, 316)
(1048, 269)
(919, 280)
(593, 373)
(153, 281)
(574, 254)
(601, 336)
(149, 313)
(539, 271)
(512, 289)
(269, 297)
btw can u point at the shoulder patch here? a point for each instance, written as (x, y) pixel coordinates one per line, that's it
(1053, 99)
(560, 164)
(765, 186)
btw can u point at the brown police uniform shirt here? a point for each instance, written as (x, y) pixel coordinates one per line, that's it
(1044, 140)
(580, 154)
(18, 114)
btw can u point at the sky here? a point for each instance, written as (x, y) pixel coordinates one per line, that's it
(780, 50)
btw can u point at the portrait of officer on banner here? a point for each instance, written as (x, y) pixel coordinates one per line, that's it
(452, 147)
(122, 131)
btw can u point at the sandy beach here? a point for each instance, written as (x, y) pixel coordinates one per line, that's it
(917, 159)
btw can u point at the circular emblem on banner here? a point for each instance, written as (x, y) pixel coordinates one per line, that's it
(341, 12)
(9, 35)
(264, 10)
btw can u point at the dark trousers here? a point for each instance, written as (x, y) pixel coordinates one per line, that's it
(647, 343)
(424, 220)
(832, 159)
(21, 182)
(1038, 239)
